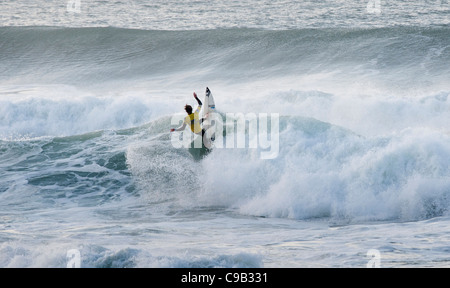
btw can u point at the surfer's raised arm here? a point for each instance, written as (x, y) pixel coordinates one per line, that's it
(198, 100)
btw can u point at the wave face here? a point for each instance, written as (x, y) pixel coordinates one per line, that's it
(54, 77)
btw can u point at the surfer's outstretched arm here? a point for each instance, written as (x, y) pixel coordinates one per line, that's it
(181, 128)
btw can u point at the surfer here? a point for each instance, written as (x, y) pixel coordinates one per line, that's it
(192, 119)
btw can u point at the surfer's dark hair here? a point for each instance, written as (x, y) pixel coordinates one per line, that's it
(188, 109)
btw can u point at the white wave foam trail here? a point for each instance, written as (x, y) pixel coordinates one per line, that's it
(325, 171)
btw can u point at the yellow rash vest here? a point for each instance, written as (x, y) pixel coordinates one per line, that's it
(193, 121)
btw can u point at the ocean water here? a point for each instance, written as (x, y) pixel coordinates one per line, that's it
(88, 91)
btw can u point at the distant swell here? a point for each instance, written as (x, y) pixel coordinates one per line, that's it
(83, 56)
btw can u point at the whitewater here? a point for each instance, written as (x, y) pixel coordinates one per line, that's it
(88, 91)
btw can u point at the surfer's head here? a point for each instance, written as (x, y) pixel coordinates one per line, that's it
(188, 109)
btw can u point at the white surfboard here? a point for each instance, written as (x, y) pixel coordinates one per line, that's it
(209, 107)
